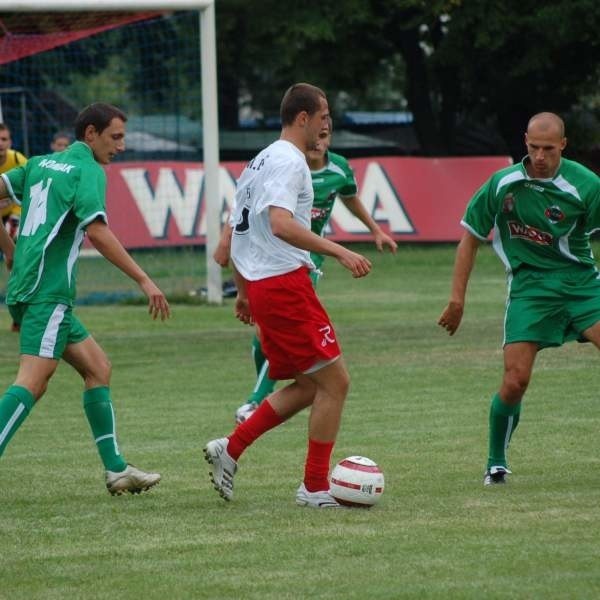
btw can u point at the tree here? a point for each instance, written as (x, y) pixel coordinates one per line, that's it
(465, 63)
(523, 57)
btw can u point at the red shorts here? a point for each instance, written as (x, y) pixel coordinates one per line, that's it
(295, 331)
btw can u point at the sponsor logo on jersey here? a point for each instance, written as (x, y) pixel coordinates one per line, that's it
(48, 163)
(508, 204)
(318, 213)
(527, 232)
(257, 165)
(554, 214)
(533, 186)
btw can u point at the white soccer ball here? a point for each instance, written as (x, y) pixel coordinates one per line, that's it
(356, 481)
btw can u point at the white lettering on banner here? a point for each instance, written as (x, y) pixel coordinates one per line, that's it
(156, 206)
(381, 202)
(183, 201)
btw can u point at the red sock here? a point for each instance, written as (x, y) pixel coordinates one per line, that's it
(316, 470)
(261, 420)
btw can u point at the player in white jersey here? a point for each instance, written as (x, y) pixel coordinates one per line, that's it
(278, 176)
(270, 251)
(541, 212)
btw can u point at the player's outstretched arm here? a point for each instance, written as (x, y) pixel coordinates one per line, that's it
(286, 228)
(105, 241)
(6, 243)
(241, 308)
(381, 239)
(223, 251)
(466, 253)
(7, 246)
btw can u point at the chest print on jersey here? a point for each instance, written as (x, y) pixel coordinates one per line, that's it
(508, 204)
(529, 233)
(318, 213)
(554, 214)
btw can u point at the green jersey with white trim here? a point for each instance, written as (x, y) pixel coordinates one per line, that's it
(540, 223)
(61, 194)
(335, 179)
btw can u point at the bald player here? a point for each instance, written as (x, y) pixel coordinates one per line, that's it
(541, 213)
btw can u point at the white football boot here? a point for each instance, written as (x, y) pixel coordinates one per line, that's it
(244, 412)
(495, 475)
(132, 480)
(315, 499)
(223, 467)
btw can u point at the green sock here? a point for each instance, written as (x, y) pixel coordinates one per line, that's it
(101, 417)
(264, 386)
(503, 422)
(15, 405)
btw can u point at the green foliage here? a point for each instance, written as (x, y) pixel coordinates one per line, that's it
(464, 69)
(451, 60)
(112, 84)
(418, 405)
(267, 46)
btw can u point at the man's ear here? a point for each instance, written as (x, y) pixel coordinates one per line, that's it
(302, 118)
(90, 132)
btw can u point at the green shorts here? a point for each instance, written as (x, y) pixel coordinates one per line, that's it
(318, 259)
(47, 328)
(551, 308)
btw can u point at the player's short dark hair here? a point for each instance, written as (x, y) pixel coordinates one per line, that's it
(4, 127)
(298, 98)
(99, 115)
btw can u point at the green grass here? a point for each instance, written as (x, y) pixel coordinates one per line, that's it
(418, 406)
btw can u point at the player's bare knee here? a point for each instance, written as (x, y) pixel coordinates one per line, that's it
(104, 370)
(515, 385)
(344, 383)
(36, 388)
(98, 373)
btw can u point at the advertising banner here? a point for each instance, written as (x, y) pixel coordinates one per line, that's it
(156, 204)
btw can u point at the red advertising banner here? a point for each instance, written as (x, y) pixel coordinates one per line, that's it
(155, 204)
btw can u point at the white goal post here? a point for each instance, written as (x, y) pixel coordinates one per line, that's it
(210, 118)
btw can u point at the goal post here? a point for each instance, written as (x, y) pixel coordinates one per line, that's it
(210, 122)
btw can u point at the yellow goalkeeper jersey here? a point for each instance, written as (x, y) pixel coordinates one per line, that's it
(13, 159)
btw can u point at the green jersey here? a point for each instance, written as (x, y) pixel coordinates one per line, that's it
(333, 180)
(543, 224)
(61, 194)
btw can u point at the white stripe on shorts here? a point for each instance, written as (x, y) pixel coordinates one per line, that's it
(319, 365)
(51, 333)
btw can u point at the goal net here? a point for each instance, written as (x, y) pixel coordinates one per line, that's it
(161, 193)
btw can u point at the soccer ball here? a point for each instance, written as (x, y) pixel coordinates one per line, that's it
(356, 481)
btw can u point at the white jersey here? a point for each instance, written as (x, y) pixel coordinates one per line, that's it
(277, 176)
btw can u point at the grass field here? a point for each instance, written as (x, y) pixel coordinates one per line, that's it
(418, 406)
